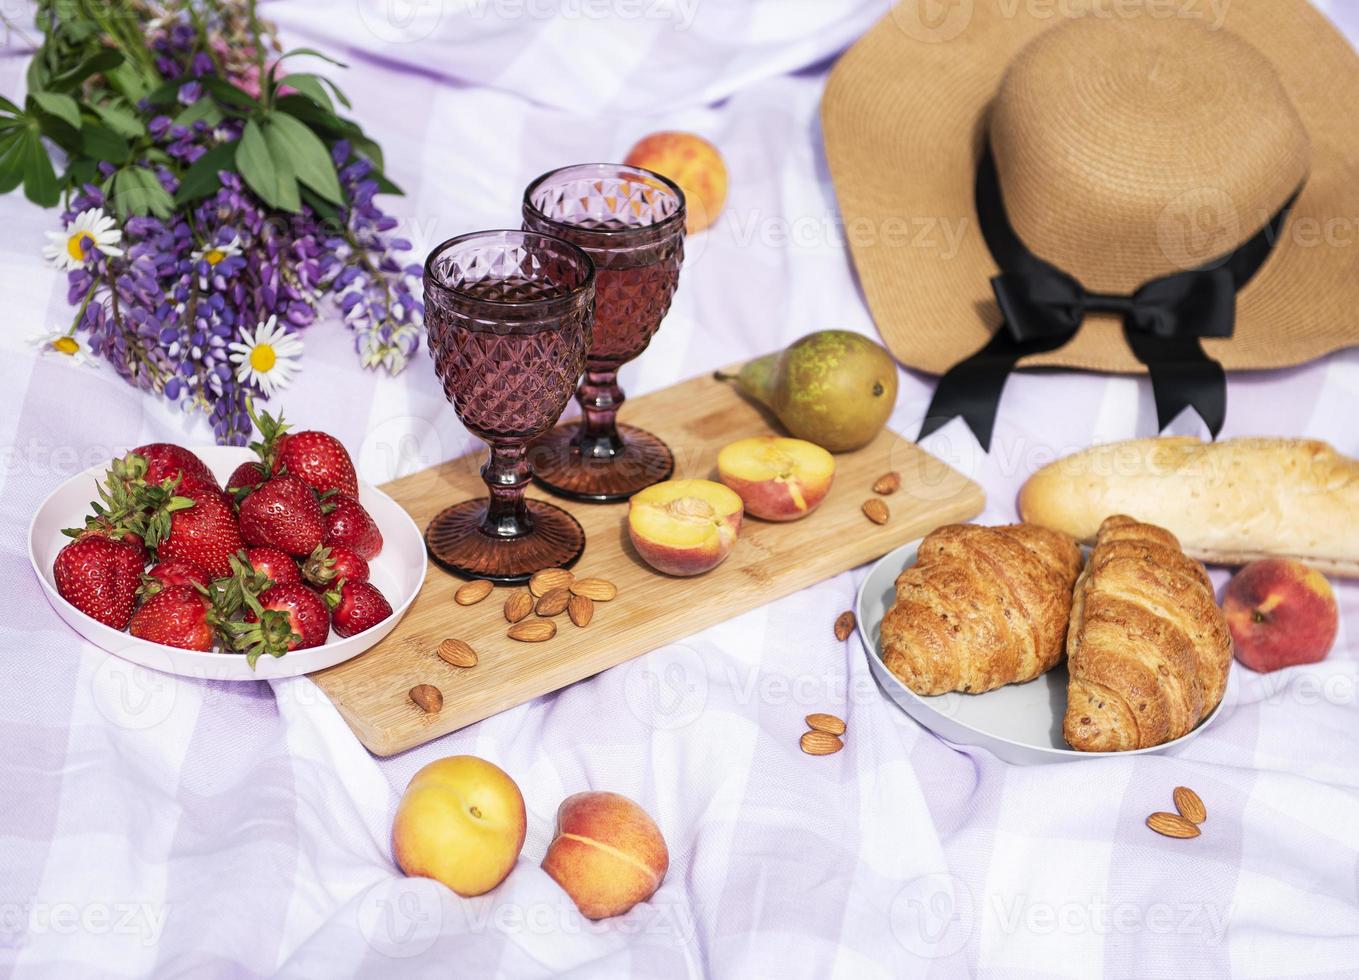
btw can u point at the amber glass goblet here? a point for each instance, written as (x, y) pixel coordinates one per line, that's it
(630, 221)
(509, 316)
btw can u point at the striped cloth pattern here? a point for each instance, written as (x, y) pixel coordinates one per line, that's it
(152, 826)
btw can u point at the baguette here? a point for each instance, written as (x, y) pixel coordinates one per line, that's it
(1228, 503)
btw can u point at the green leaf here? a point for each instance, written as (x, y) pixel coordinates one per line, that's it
(311, 87)
(201, 178)
(105, 60)
(40, 180)
(63, 107)
(369, 149)
(386, 185)
(202, 109)
(119, 118)
(128, 82)
(9, 106)
(322, 120)
(328, 212)
(11, 161)
(270, 177)
(299, 52)
(102, 143)
(137, 190)
(229, 94)
(291, 141)
(166, 93)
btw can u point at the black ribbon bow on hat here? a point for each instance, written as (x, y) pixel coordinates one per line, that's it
(1044, 307)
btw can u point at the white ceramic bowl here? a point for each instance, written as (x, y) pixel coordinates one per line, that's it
(1020, 723)
(398, 572)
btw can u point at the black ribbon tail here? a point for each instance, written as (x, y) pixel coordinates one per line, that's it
(1182, 376)
(972, 388)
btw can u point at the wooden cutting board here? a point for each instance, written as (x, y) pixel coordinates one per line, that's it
(696, 418)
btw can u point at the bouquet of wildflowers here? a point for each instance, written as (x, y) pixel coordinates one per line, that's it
(214, 201)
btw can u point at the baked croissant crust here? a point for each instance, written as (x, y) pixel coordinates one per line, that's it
(1149, 648)
(982, 607)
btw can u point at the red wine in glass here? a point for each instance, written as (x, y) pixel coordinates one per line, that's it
(510, 317)
(630, 221)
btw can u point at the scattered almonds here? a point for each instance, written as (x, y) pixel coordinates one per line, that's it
(428, 697)
(517, 606)
(533, 631)
(822, 722)
(822, 743)
(876, 511)
(457, 653)
(473, 592)
(581, 609)
(548, 579)
(598, 589)
(553, 603)
(844, 625)
(1172, 825)
(888, 483)
(1190, 805)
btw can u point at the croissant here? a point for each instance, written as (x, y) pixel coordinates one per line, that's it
(1149, 648)
(982, 607)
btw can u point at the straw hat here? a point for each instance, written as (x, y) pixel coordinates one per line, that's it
(1131, 141)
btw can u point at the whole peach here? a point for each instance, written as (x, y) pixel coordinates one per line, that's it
(1281, 613)
(461, 821)
(607, 853)
(694, 164)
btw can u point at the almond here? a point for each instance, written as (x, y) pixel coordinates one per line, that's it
(876, 511)
(473, 592)
(533, 631)
(581, 609)
(1190, 805)
(844, 625)
(888, 483)
(428, 697)
(553, 603)
(822, 722)
(517, 606)
(821, 743)
(548, 579)
(457, 653)
(598, 589)
(1172, 825)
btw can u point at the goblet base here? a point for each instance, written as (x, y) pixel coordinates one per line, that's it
(559, 466)
(457, 543)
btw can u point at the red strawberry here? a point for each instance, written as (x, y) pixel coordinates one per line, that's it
(337, 564)
(245, 477)
(348, 525)
(283, 618)
(166, 461)
(320, 460)
(278, 565)
(283, 514)
(357, 607)
(99, 575)
(174, 572)
(177, 616)
(204, 533)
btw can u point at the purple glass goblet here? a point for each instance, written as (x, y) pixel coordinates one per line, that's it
(630, 221)
(509, 315)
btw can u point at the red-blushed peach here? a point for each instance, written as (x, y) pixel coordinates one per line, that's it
(684, 527)
(778, 479)
(607, 853)
(1281, 613)
(461, 821)
(694, 164)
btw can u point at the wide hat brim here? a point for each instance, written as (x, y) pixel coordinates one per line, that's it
(904, 119)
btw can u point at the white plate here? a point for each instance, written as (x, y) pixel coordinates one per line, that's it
(398, 572)
(1020, 723)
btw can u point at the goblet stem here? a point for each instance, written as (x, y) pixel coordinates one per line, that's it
(600, 399)
(507, 474)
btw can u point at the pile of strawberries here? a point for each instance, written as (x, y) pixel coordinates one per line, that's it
(267, 565)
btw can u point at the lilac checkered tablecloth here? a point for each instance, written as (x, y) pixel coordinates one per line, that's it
(181, 828)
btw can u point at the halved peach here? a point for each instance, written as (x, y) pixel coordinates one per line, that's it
(684, 527)
(777, 479)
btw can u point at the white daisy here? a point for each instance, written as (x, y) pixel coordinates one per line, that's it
(66, 344)
(266, 356)
(91, 228)
(212, 254)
